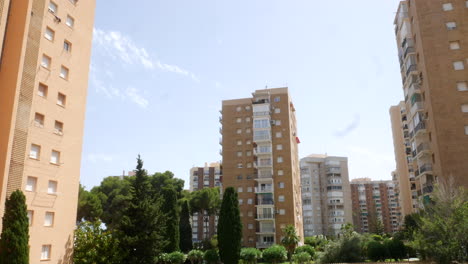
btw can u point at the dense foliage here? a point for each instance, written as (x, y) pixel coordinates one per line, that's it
(306, 248)
(250, 255)
(211, 256)
(229, 228)
(301, 257)
(176, 257)
(185, 229)
(275, 254)
(290, 240)
(170, 211)
(195, 256)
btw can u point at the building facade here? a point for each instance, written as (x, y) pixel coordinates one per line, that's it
(431, 39)
(375, 203)
(260, 160)
(326, 196)
(204, 226)
(44, 64)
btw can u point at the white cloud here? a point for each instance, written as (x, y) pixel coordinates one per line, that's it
(99, 157)
(135, 96)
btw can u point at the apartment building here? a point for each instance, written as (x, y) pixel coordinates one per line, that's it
(204, 226)
(433, 53)
(374, 202)
(44, 64)
(326, 196)
(260, 160)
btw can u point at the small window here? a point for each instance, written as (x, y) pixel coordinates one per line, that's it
(55, 157)
(458, 65)
(248, 142)
(281, 198)
(279, 134)
(248, 153)
(249, 213)
(61, 99)
(466, 130)
(451, 25)
(64, 72)
(247, 108)
(240, 189)
(250, 226)
(250, 201)
(53, 7)
(281, 185)
(282, 211)
(278, 122)
(247, 119)
(49, 34)
(279, 159)
(239, 153)
(447, 7)
(46, 61)
(238, 120)
(239, 142)
(70, 21)
(39, 120)
(239, 131)
(277, 110)
(279, 147)
(49, 219)
(249, 165)
(30, 217)
(35, 151)
(241, 201)
(462, 86)
(238, 109)
(249, 189)
(42, 90)
(67, 46)
(239, 165)
(46, 251)
(280, 172)
(277, 99)
(31, 183)
(454, 45)
(58, 128)
(466, 3)
(52, 187)
(464, 108)
(247, 130)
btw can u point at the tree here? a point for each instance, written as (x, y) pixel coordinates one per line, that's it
(306, 248)
(275, 254)
(185, 229)
(229, 228)
(250, 255)
(207, 201)
(376, 251)
(395, 248)
(14, 239)
(94, 245)
(195, 256)
(143, 224)
(211, 256)
(169, 208)
(89, 206)
(301, 257)
(344, 250)
(176, 257)
(290, 240)
(317, 242)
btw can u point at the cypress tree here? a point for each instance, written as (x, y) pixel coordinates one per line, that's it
(14, 239)
(185, 230)
(229, 228)
(169, 208)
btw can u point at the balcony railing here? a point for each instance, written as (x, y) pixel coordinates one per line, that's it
(264, 244)
(263, 189)
(258, 151)
(414, 88)
(265, 202)
(412, 67)
(265, 216)
(265, 230)
(420, 126)
(258, 165)
(261, 101)
(424, 168)
(417, 106)
(262, 113)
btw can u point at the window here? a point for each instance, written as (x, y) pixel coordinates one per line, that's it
(277, 99)
(451, 25)
(466, 3)
(282, 211)
(70, 21)
(42, 90)
(462, 86)
(447, 6)
(67, 46)
(277, 110)
(239, 165)
(248, 142)
(58, 127)
(64, 72)
(261, 123)
(52, 187)
(238, 109)
(45, 255)
(249, 189)
(281, 185)
(52, 7)
(239, 131)
(281, 198)
(49, 219)
(250, 226)
(249, 165)
(249, 213)
(466, 130)
(239, 153)
(247, 119)
(248, 153)
(241, 201)
(279, 134)
(239, 189)
(49, 34)
(279, 147)
(55, 157)
(30, 217)
(239, 142)
(247, 130)
(454, 45)
(238, 120)
(61, 99)
(249, 201)
(45, 62)
(458, 65)
(35, 151)
(39, 120)
(278, 122)
(280, 173)
(247, 108)
(31, 183)
(279, 159)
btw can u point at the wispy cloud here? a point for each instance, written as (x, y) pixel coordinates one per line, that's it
(99, 157)
(349, 128)
(135, 96)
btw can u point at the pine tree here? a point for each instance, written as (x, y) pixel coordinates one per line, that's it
(143, 225)
(229, 228)
(185, 229)
(14, 239)
(169, 208)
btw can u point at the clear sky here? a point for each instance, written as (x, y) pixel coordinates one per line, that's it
(160, 70)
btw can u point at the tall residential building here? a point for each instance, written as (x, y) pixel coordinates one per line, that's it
(375, 201)
(404, 173)
(203, 225)
(431, 39)
(260, 160)
(326, 195)
(44, 64)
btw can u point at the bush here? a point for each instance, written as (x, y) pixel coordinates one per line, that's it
(376, 251)
(395, 248)
(344, 250)
(211, 256)
(302, 257)
(163, 258)
(317, 242)
(195, 256)
(250, 255)
(306, 248)
(176, 257)
(275, 254)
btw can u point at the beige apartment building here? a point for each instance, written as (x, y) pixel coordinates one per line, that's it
(433, 52)
(260, 160)
(44, 64)
(326, 194)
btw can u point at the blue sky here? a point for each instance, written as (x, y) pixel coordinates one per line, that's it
(160, 70)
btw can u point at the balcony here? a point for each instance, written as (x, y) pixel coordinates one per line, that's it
(257, 151)
(414, 88)
(265, 230)
(262, 113)
(264, 244)
(419, 129)
(259, 165)
(265, 202)
(221, 141)
(261, 101)
(411, 68)
(262, 138)
(417, 106)
(263, 189)
(423, 149)
(265, 216)
(424, 169)
(408, 46)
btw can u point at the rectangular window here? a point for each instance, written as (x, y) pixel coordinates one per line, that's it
(277, 110)
(61, 99)
(278, 122)
(279, 159)
(58, 128)
(462, 86)
(70, 21)
(464, 108)
(239, 131)
(67, 46)
(49, 219)
(42, 90)
(281, 198)
(46, 251)
(447, 7)
(30, 217)
(239, 153)
(277, 99)
(247, 108)
(458, 65)
(281, 185)
(64, 72)
(466, 3)
(279, 147)
(249, 189)
(55, 157)
(46, 61)
(451, 25)
(454, 45)
(239, 142)
(49, 34)
(261, 123)
(238, 109)
(39, 120)
(248, 153)
(238, 120)
(250, 226)
(239, 165)
(466, 130)
(279, 134)
(35, 151)
(282, 211)
(249, 201)
(53, 7)
(239, 189)
(52, 187)
(241, 201)
(31, 183)
(280, 173)
(247, 119)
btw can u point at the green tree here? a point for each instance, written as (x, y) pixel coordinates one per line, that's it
(306, 248)
(161, 180)
(317, 242)
(195, 256)
(14, 239)
(169, 208)
(229, 228)
(185, 229)
(250, 255)
(376, 251)
(275, 254)
(301, 257)
(344, 250)
(89, 206)
(290, 240)
(211, 256)
(176, 257)
(395, 248)
(206, 200)
(94, 245)
(143, 224)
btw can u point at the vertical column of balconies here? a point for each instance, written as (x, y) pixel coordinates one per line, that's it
(335, 196)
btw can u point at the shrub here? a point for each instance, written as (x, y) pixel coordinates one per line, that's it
(317, 242)
(211, 256)
(395, 248)
(176, 257)
(306, 248)
(346, 249)
(376, 251)
(250, 255)
(163, 258)
(301, 257)
(275, 254)
(195, 256)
